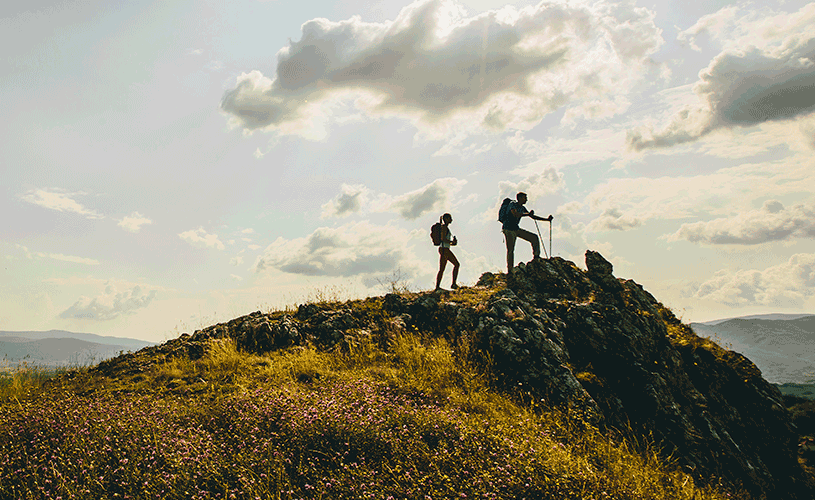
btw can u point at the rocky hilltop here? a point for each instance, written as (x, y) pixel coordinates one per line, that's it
(584, 340)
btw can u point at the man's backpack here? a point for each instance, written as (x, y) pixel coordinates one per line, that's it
(504, 211)
(435, 233)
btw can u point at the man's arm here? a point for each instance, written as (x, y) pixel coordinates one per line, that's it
(532, 214)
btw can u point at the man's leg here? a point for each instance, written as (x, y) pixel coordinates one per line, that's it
(533, 239)
(509, 236)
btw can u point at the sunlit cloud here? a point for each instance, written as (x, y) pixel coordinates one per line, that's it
(766, 72)
(436, 196)
(348, 202)
(60, 201)
(785, 285)
(69, 258)
(199, 237)
(110, 305)
(134, 222)
(352, 249)
(773, 222)
(436, 66)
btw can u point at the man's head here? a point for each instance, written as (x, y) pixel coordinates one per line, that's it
(521, 197)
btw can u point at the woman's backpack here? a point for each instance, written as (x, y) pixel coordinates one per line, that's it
(435, 233)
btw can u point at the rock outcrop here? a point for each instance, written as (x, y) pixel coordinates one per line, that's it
(601, 346)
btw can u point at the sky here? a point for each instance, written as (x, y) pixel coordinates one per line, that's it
(169, 165)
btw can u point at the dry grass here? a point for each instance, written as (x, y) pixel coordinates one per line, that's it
(412, 420)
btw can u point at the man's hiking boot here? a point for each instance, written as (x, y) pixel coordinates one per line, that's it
(453, 286)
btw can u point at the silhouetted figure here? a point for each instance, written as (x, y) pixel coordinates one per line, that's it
(445, 254)
(512, 231)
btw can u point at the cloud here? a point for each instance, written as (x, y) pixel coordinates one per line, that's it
(612, 219)
(352, 249)
(772, 222)
(59, 201)
(767, 76)
(433, 64)
(25, 250)
(199, 237)
(715, 24)
(547, 181)
(557, 152)
(134, 222)
(699, 197)
(435, 196)
(238, 259)
(349, 201)
(785, 285)
(110, 305)
(69, 258)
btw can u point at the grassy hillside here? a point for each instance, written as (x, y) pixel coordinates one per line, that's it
(402, 416)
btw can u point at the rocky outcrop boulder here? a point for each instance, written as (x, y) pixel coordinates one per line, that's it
(600, 346)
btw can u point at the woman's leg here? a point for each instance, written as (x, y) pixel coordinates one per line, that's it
(442, 265)
(453, 260)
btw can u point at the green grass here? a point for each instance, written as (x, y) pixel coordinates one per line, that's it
(414, 419)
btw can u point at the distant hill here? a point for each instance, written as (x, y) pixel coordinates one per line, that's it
(61, 348)
(805, 391)
(781, 346)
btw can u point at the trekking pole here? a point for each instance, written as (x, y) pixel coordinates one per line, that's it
(550, 238)
(541, 239)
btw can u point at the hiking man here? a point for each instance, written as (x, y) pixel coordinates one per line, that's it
(445, 254)
(512, 231)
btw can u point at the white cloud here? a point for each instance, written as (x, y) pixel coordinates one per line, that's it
(214, 65)
(25, 250)
(766, 72)
(235, 277)
(702, 196)
(352, 249)
(497, 70)
(588, 146)
(248, 230)
(712, 24)
(238, 259)
(537, 186)
(199, 237)
(545, 181)
(572, 207)
(134, 222)
(785, 285)
(436, 196)
(772, 222)
(110, 305)
(349, 201)
(59, 201)
(612, 219)
(69, 258)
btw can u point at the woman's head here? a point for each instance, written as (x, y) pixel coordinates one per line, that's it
(447, 218)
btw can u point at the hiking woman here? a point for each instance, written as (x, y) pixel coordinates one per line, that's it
(445, 254)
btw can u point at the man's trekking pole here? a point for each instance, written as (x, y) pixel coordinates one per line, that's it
(541, 239)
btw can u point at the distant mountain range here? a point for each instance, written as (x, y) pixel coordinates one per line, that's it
(781, 345)
(59, 348)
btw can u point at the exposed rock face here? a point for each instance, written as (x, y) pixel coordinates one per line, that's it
(602, 346)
